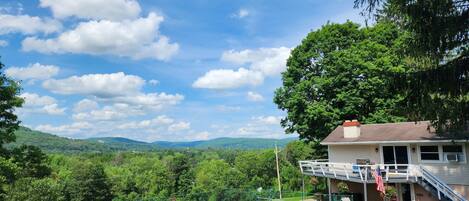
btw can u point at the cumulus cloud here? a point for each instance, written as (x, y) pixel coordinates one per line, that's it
(253, 96)
(108, 113)
(34, 71)
(179, 126)
(138, 39)
(85, 105)
(269, 120)
(3, 43)
(262, 62)
(35, 103)
(269, 61)
(151, 123)
(227, 108)
(227, 79)
(93, 9)
(99, 85)
(26, 24)
(66, 129)
(242, 13)
(153, 82)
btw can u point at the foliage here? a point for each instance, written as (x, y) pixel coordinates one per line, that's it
(9, 100)
(439, 51)
(339, 72)
(31, 161)
(88, 182)
(29, 189)
(342, 187)
(390, 192)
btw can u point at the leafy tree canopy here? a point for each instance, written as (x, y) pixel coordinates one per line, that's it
(439, 80)
(342, 71)
(9, 100)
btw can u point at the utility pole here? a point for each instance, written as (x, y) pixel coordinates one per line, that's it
(278, 172)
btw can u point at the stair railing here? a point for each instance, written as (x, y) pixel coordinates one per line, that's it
(440, 186)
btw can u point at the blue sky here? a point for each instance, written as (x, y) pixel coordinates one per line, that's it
(156, 70)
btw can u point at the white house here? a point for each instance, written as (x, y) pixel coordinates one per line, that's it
(410, 156)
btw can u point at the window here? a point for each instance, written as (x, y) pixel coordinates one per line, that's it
(429, 153)
(442, 153)
(454, 150)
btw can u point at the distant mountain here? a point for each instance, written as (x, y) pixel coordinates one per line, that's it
(52, 143)
(227, 143)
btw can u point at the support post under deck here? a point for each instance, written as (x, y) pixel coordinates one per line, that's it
(329, 188)
(365, 192)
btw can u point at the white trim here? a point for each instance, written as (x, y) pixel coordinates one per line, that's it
(440, 153)
(393, 142)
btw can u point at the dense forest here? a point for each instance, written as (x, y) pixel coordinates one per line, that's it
(191, 174)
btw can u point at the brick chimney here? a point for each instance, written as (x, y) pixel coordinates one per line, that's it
(351, 129)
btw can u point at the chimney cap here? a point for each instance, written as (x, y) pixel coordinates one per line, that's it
(349, 123)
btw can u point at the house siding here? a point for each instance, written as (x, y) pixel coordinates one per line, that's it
(350, 153)
(455, 175)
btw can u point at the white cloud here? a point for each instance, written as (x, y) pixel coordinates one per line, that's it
(255, 97)
(179, 126)
(269, 61)
(138, 39)
(226, 79)
(93, 9)
(155, 122)
(242, 13)
(3, 43)
(269, 120)
(153, 101)
(227, 108)
(66, 129)
(153, 82)
(113, 112)
(85, 105)
(262, 62)
(27, 24)
(34, 71)
(113, 88)
(35, 103)
(99, 85)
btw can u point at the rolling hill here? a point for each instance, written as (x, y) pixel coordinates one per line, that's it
(52, 143)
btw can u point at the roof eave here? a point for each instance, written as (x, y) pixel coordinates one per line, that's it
(391, 142)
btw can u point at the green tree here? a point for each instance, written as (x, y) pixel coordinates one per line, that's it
(339, 72)
(29, 189)
(298, 150)
(88, 182)
(9, 100)
(438, 85)
(31, 161)
(215, 176)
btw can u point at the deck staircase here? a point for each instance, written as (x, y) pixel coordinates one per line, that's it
(392, 173)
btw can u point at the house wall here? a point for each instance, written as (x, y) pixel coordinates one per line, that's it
(455, 175)
(350, 153)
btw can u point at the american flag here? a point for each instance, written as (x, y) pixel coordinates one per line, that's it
(379, 180)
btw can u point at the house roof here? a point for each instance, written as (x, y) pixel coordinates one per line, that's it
(404, 132)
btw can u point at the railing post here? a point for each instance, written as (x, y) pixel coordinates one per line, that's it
(407, 174)
(322, 169)
(360, 172)
(346, 173)
(387, 173)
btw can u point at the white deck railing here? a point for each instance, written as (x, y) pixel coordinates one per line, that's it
(363, 173)
(392, 173)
